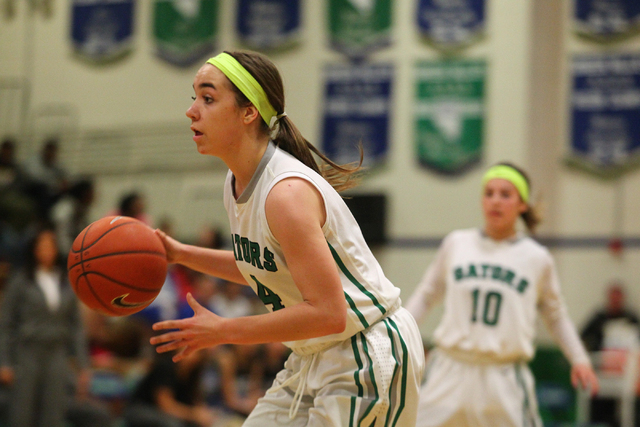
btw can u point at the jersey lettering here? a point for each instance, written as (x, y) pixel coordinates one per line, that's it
(267, 296)
(491, 272)
(250, 252)
(488, 305)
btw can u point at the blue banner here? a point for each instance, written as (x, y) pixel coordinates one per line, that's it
(605, 20)
(605, 123)
(451, 25)
(102, 30)
(268, 24)
(356, 110)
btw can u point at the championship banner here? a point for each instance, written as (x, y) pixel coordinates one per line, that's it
(185, 31)
(607, 20)
(449, 114)
(451, 25)
(356, 111)
(605, 122)
(266, 25)
(102, 30)
(359, 27)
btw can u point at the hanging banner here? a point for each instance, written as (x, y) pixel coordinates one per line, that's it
(185, 31)
(268, 24)
(102, 30)
(449, 114)
(359, 27)
(451, 25)
(356, 111)
(605, 122)
(607, 20)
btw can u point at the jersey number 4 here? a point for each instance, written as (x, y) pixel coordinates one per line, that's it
(267, 296)
(488, 305)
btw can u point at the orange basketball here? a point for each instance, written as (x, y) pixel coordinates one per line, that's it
(117, 265)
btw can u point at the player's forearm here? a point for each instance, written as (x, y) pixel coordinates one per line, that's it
(214, 262)
(298, 322)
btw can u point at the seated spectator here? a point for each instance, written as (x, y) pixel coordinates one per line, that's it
(170, 395)
(133, 205)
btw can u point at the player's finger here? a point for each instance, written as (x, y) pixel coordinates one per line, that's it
(175, 345)
(193, 303)
(167, 324)
(169, 336)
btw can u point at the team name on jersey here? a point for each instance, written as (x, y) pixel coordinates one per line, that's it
(494, 272)
(250, 252)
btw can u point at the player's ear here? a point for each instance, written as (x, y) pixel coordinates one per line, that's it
(251, 114)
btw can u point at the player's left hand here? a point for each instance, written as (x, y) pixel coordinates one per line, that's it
(189, 335)
(583, 376)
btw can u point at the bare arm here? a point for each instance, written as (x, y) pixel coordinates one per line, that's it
(295, 213)
(214, 262)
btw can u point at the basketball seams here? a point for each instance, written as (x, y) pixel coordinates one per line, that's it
(82, 248)
(160, 254)
(97, 297)
(124, 285)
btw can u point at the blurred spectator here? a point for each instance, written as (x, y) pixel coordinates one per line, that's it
(40, 328)
(8, 164)
(44, 179)
(70, 213)
(211, 237)
(613, 326)
(231, 300)
(134, 205)
(170, 395)
(203, 290)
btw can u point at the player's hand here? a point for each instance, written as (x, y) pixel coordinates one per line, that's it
(6, 375)
(583, 376)
(171, 245)
(189, 335)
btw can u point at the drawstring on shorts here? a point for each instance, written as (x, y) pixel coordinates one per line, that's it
(302, 374)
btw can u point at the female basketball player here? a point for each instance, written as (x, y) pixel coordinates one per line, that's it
(357, 355)
(494, 282)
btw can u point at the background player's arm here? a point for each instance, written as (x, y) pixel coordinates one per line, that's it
(554, 313)
(214, 262)
(431, 288)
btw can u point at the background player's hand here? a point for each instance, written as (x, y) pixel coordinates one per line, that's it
(583, 376)
(171, 245)
(192, 334)
(6, 375)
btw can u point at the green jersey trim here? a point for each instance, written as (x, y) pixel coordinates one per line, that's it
(405, 362)
(358, 285)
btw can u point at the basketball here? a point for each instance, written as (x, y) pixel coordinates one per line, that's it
(117, 265)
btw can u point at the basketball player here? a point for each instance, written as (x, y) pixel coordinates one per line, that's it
(357, 354)
(494, 281)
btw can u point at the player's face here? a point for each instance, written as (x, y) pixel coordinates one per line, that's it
(501, 205)
(216, 120)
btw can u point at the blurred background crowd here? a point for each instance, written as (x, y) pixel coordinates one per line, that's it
(116, 377)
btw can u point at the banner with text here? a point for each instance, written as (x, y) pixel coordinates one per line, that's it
(356, 110)
(605, 122)
(451, 25)
(449, 114)
(185, 31)
(607, 20)
(359, 27)
(268, 24)
(102, 30)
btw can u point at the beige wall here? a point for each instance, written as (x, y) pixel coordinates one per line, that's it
(528, 45)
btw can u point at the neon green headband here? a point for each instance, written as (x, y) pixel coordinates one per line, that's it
(247, 84)
(510, 174)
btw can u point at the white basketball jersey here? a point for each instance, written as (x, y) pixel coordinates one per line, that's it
(493, 291)
(369, 294)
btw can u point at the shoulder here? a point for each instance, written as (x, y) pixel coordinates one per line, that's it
(462, 235)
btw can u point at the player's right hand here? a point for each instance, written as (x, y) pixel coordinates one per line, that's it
(171, 245)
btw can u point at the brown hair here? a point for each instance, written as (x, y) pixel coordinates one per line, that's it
(531, 217)
(289, 138)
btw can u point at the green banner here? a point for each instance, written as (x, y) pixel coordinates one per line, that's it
(185, 32)
(449, 114)
(358, 27)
